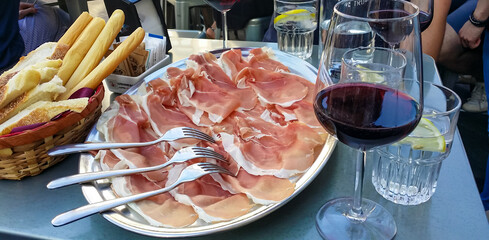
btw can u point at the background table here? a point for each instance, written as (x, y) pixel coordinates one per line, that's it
(454, 212)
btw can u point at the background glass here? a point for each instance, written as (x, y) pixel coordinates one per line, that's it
(426, 9)
(407, 172)
(295, 23)
(363, 112)
(375, 65)
(222, 6)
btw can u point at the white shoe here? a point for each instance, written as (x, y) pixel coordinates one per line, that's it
(478, 101)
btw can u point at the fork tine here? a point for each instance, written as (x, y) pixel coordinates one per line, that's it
(212, 168)
(205, 152)
(191, 132)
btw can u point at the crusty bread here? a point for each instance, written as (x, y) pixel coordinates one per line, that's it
(106, 67)
(80, 48)
(70, 36)
(40, 54)
(20, 83)
(42, 112)
(44, 92)
(47, 69)
(98, 49)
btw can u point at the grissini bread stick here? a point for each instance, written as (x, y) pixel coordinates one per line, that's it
(75, 29)
(106, 67)
(98, 49)
(80, 48)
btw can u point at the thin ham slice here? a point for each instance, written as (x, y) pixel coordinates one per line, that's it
(261, 189)
(199, 93)
(262, 58)
(265, 148)
(209, 200)
(159, 210)
(208, 66)
(233, 62)
(271, 87)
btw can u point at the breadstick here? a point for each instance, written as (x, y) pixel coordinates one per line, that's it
(80, 48)
(98, 49)
(75, 29)
(109, 64)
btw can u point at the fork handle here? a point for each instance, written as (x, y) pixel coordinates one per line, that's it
(103, 206)
(85, 147)
(87, 177)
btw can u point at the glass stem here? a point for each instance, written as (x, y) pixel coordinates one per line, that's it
(224, 30)
(356, 210)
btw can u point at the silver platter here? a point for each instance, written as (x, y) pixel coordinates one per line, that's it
(126, 218)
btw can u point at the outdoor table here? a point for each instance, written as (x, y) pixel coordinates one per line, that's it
(454, 212)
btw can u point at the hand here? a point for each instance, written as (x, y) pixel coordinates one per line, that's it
(26, 9)
(470, 35)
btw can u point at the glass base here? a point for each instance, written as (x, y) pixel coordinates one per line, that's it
(335, 221)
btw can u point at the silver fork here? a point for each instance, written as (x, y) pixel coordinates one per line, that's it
(188, 174)
(170, 135)
(180, 156)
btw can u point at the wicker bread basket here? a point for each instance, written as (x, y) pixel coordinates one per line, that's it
(25, 154)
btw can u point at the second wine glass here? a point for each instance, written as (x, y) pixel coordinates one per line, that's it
(222, 6)
(368, 94)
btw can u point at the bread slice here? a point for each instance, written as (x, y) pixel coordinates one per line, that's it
(47, 68)
(41, 53)
(42, 111)
(44, 92)
(20, 83)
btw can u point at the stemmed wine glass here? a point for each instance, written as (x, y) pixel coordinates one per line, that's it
(426, 9)
(368, 97)
(222, 6)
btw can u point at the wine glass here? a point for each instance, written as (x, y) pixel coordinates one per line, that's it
(222, 6)
(370, 96)
(426, 9)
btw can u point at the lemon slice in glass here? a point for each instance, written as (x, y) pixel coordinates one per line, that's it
(426, 137)
(296, 15)
(369, 76)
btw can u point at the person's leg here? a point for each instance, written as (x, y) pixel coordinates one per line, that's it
(452, 55)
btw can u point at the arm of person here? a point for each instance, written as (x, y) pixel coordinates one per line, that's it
(26, 9)
(432, 37)
(470, 35)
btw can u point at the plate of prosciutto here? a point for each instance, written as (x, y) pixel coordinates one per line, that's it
(257, 105)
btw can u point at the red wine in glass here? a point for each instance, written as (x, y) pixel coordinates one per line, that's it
(221, 5)
(424, 20)
(393, 31)
(364, 115)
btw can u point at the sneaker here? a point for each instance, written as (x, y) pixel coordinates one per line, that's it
(478, 101)
(467, 79)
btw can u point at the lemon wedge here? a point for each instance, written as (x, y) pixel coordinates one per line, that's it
(426, 137)
(371, 77)
(296, 15)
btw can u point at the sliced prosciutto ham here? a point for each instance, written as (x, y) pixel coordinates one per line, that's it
(265, 148)
(233, 62)
(210, 200)
(159, 210)
(260, 115)
(208, 67)
(261, 189)
(260, 58)
(279, 88)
